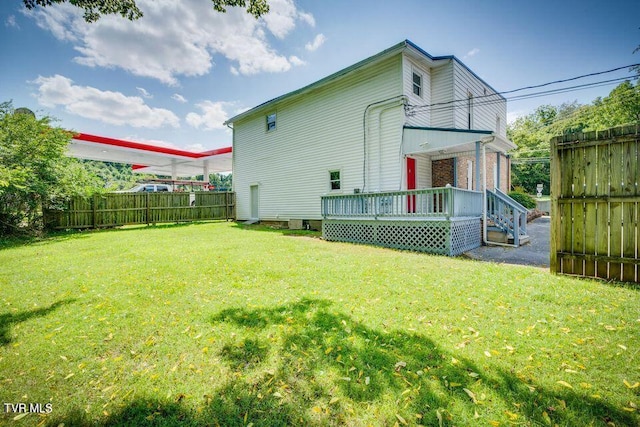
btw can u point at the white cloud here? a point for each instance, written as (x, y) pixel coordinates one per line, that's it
(213, 116)
(316, 43)
(198, 148)
(179, 98)
(176, 39)
(308, 18)
(11, 22)
(144, 93)
(512, 116)
(64, 21)
(472, 52)
(296, 61)
(106, 106)
(281, 18)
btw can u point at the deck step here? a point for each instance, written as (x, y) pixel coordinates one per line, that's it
(496, 235)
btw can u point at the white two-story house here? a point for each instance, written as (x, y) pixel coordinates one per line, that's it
(401, 120)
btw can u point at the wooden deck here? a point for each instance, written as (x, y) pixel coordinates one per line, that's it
(444, 220)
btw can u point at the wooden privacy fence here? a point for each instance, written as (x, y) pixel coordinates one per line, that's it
(595, 202)
(114, 209)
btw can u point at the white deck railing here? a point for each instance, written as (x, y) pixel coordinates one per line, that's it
(507, 214)
(441, 202)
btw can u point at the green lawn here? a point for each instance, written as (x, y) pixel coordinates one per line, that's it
(219, 324)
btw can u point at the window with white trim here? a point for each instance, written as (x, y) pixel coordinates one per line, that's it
(334, 180)
(271, 122)
(417, 84)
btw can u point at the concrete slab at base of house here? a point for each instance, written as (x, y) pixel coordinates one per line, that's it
(536, 253)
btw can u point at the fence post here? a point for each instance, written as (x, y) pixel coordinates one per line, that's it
(555, 189)
(94, 202)
(148, 207)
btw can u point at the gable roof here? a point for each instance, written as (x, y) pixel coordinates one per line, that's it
(387, 53)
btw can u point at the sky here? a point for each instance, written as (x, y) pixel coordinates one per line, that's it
(174, 76)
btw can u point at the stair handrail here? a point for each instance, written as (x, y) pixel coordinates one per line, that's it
(519, 223)
(510, 200)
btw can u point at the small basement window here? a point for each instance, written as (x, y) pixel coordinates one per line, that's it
(271, 122)
(417, 84)
(334, 180)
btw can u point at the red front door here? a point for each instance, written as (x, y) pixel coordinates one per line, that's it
(411, 184)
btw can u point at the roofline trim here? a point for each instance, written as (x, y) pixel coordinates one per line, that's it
(399, 47)
(378, 56)
(478, 131)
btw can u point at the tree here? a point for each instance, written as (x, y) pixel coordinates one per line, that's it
(34, 171)
(636, 68)
(94, 9)
(533, 132)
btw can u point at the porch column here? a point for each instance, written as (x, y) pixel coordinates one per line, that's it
(497, 183)
(455, 171)
(478, 165)
(205, 171)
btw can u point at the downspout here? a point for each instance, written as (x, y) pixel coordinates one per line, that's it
(484, 143)
(365, 129)
(478, 143)
(380, 143)
(233, 155)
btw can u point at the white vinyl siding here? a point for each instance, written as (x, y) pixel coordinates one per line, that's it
(423, 171)
(442, 93)
(314, 130)
(421, 116)
(486, 104)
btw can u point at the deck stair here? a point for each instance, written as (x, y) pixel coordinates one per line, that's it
(506, 219)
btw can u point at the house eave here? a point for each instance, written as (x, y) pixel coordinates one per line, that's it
(441, 141)
(385, 54)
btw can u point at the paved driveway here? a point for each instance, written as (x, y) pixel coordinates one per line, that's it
(535, 253)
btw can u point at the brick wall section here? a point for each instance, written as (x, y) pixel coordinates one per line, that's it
(442, 172)
(505, 176)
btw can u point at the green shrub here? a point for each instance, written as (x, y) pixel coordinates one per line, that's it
(524, 199)
(35, 172)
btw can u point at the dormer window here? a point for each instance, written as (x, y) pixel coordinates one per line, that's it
(271, 122)
(417, 84)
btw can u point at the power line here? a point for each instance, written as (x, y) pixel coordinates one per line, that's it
(569, 89)
(530, 160)
(449, 106)
(570, 79)
(493, 97)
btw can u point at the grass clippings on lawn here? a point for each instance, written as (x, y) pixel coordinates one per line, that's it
(221, 324)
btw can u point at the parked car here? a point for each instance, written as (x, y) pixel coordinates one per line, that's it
(148, 188)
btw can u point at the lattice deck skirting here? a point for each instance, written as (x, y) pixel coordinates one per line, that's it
(439, 236)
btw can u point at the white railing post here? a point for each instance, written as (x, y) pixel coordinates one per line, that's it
(432, 202)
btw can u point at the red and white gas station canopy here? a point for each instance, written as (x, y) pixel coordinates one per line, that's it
(148, 158)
